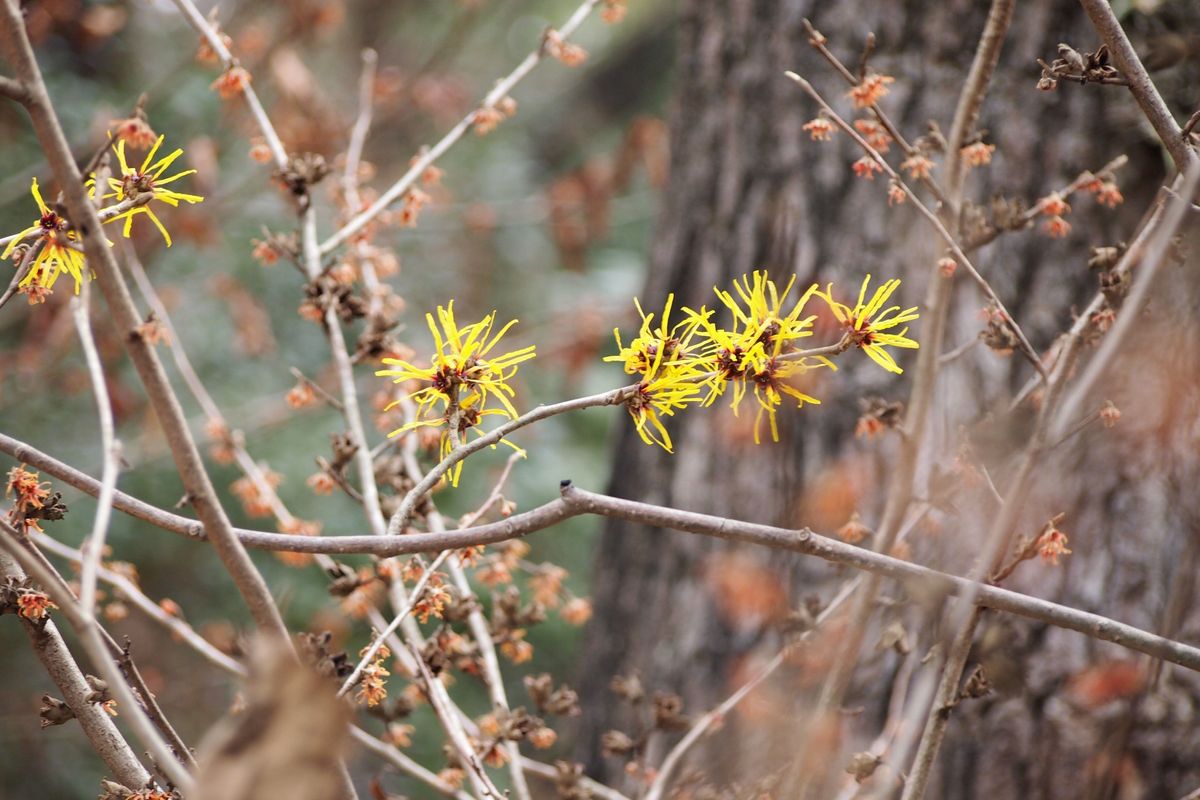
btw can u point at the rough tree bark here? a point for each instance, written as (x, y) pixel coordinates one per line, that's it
(749, 191)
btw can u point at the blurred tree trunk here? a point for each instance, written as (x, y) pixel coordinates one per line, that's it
(747, 191)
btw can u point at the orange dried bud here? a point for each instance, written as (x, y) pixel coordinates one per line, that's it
(28, 491)
(35, 605)
(506, 106)
(301, 395)
(1107, 194)
(231, 82)
(264, 252)
(494, 574)
(343, 273)
(116, 611)
(36, 293)
(1110, 415)
(543, 737)
(432, 176)
(576, 611)
(1054, 206)
(918, 166)
(310, 311)
(452, 776)
(819, 129)
(433, 600)
(1056, 227)
(874, 87)
(372, 687)
(572, 55)
(171, 608)
(399, 734)
(321, 483)
(135, 131)
(516, 649)
(867, 426)
(947, 266)
(866, 167)
(874, 133)
(854, 531)
(613, 11)
(1051, 545)
(153, 332)
(896, 194)
(496, 756)
(486, 120)
(259, 151)
(977, 154)
(205, 53)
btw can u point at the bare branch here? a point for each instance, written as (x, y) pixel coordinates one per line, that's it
(97, 650)
(400, 519)
(947, 237)
(1104, 19)
(162, 398)
(426, 160)
(97, 725)
(93, 546)
(1156, 256)
(197, 21)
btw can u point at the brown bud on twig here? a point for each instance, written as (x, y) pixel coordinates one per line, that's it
(54, 711)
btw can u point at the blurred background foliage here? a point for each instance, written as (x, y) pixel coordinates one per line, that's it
(546, 219)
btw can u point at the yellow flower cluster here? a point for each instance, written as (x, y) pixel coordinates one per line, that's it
(696, 361)
(465, 376)
(58, 247)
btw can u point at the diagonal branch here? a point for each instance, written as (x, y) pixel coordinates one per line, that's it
(1104, 20)
(249, 581)
(423, 162)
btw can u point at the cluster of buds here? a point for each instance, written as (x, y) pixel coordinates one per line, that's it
(613, 11)
(372, 682)
(1055, 208)
(257, 493)
(231, 83)
(32, 500)
(997, 333)
(569, 53)
(877, 416)
(1072, 65)
(487, 118)
(273, 246)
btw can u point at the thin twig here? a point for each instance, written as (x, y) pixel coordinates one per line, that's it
(1104, 20)
(48, 645)
(440, 700)
(404, 513)
(817, 40)
(317, 388)
(23, 268)
(425, 160)
(90, 637)
(951, 243)
(93, 546)
(128, 590)
(15, 42)
(197, 21)
(377, 641)
(1131, 308)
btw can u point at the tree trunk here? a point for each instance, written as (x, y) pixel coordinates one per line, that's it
(747, 191)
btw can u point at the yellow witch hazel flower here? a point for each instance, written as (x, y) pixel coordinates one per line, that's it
(672, 373)
(761, 351)
(57, 253)
(868, 319)
(759, 354)
(146, 179)
(465, 374)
